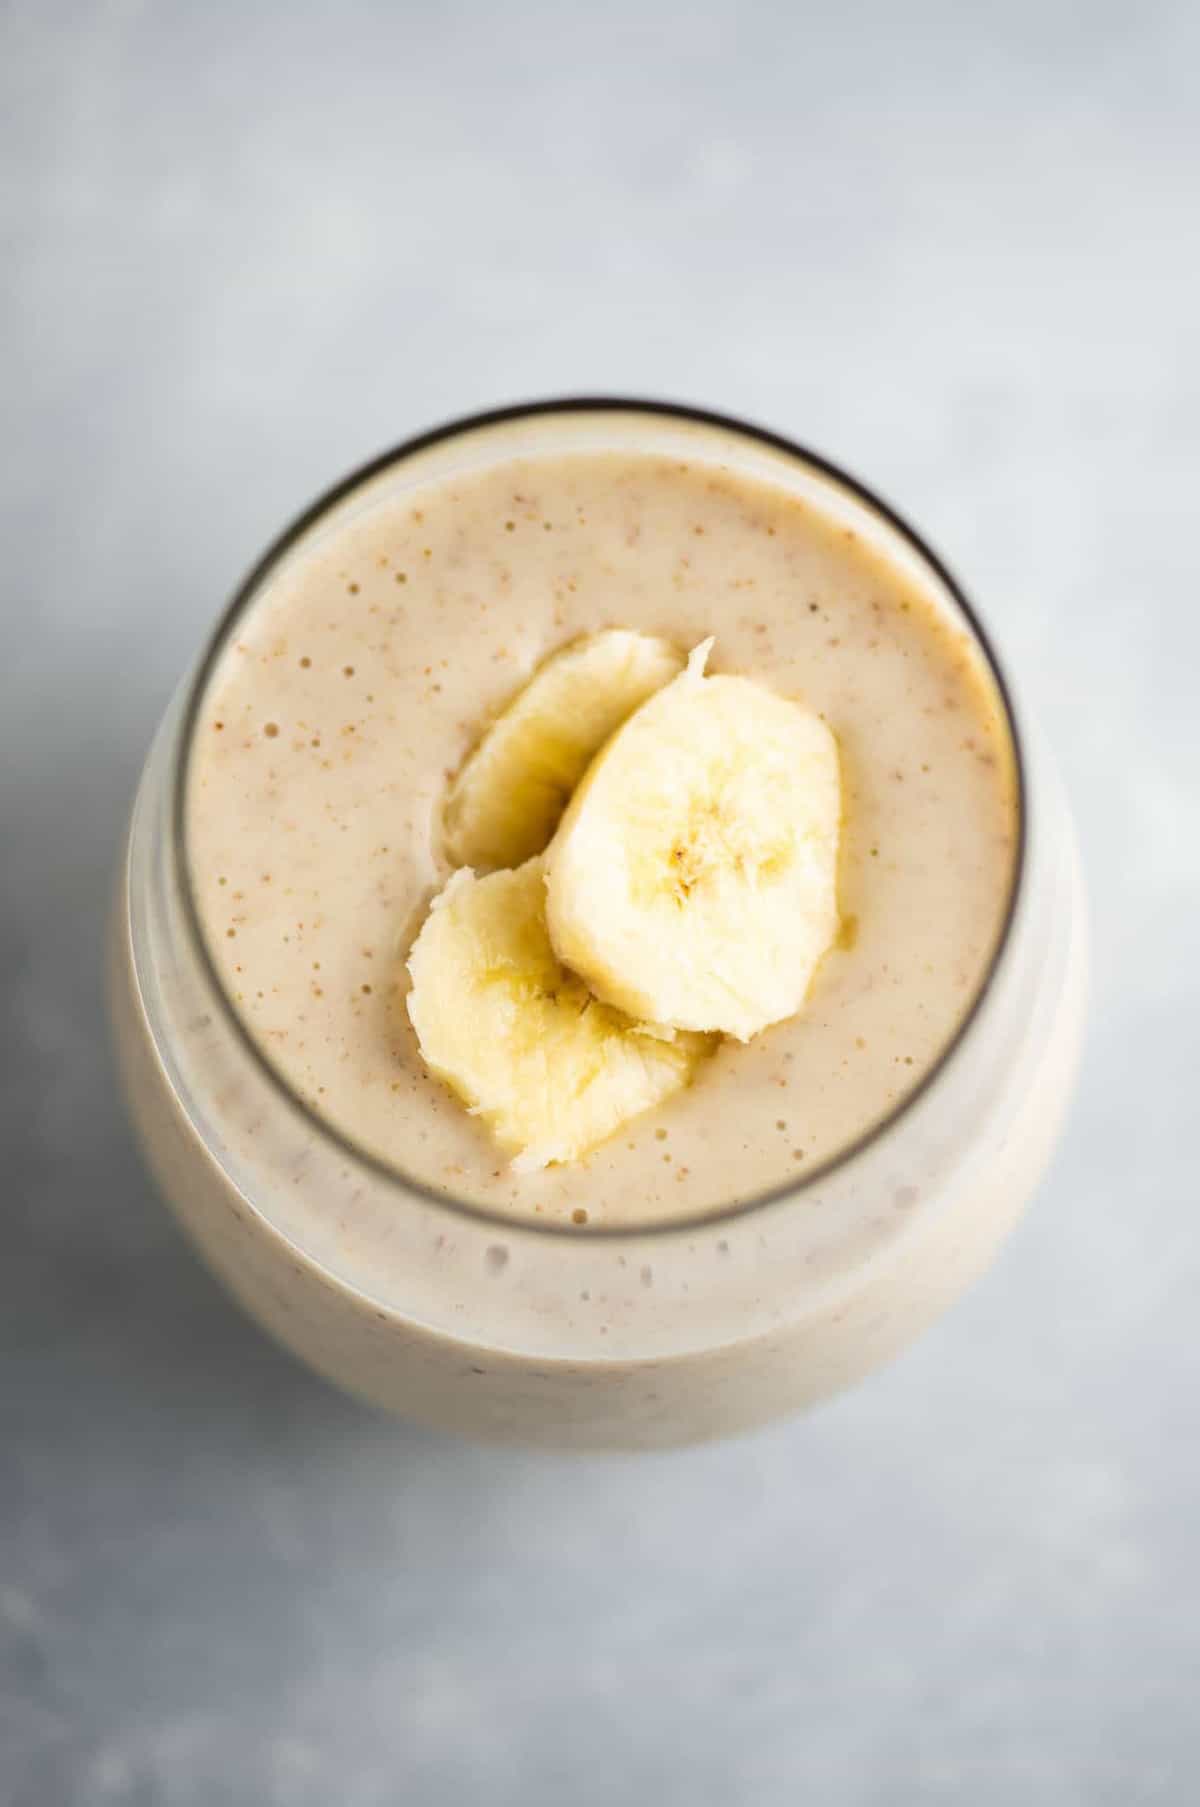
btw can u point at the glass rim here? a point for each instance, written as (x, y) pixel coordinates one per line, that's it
(246, 593)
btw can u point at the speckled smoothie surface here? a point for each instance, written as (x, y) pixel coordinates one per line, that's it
(358, 680)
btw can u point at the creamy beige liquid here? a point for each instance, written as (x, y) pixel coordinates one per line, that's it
(364, 674)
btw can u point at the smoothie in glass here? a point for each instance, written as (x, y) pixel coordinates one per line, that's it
(814, 1195)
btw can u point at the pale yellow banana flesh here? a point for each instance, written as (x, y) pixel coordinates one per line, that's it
(505, 802)
(692, 880)
(525, 1045)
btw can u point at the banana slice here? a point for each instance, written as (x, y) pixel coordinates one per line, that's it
(523, 1043)
(693, 879)
(506, 800)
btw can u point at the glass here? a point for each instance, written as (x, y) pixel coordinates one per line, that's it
(598, 1337)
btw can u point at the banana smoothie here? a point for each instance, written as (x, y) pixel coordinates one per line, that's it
(339, 714)
(591, 965)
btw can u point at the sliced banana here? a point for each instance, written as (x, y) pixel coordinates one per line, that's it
(523, 1043)
(693, 878)
(505, 802)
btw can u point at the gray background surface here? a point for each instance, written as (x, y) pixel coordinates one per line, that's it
(245, 247)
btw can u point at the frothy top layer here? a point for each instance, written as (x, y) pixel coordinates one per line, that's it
(357, 681)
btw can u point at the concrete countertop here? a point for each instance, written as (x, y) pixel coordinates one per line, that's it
(956, 248)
